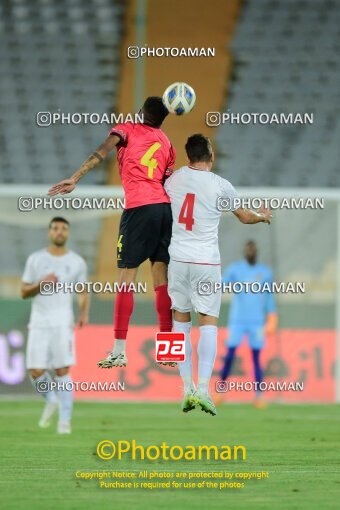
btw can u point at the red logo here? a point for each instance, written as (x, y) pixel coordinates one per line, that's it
(170, 346)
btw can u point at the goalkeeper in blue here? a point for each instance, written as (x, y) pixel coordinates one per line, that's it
(252, 314)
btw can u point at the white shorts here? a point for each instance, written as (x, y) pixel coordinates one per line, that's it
(50, 347)
(191, 287)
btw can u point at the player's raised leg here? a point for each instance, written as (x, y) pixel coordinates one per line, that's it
(162, 300)
(159, 272)
(207, 305)
(207, 348)
(159, 269)
(179, 291)
(123, 309)
(182, 323)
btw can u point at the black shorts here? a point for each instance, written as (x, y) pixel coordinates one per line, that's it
(144, 233)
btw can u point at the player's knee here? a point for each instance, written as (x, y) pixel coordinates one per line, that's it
(159, 273)
(127, 275)
(207, 320)
(62, 371)
(36, 372)
(182, 316)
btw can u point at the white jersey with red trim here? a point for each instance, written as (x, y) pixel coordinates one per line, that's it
(196, 197)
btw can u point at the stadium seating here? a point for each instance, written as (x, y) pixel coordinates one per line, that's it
(56, 56)
(45, 46)
(285, 60)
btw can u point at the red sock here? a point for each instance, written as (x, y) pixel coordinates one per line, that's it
(122, 312)
(163, 307)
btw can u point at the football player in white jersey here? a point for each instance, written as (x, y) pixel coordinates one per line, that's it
(195, 267)
(50, 342)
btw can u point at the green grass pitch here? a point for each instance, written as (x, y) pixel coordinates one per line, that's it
(298, 445)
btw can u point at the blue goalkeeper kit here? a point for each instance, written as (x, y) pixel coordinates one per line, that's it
(251, 305)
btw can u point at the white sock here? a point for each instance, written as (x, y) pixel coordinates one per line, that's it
(119, 347)
(207, 347)
(41, 383)
(65, 397)
(185, 368)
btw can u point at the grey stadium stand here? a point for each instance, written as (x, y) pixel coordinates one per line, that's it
(286, 59)
(56, 55)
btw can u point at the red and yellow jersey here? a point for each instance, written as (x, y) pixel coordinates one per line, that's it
(144, 155)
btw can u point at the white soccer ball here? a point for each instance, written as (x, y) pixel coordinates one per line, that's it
(179, 98)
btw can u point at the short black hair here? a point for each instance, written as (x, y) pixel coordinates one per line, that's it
(59, 219)
(154, 111)
(198, 148)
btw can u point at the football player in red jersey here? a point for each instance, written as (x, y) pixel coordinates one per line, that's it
(145, 155)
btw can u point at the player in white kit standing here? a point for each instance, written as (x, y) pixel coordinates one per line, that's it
(195, 265)
(51, 337)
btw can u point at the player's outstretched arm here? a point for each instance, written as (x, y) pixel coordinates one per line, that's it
(250, 217)
(101, 153)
